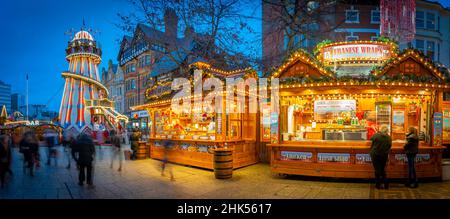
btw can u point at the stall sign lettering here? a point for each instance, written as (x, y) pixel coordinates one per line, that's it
(139, 114)
(32, 123)
(363, 158)
(358, 52)
(294, 155)
(420, 158)
(333, 157)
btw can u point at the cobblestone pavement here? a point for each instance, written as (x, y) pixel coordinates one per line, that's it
(142, 179)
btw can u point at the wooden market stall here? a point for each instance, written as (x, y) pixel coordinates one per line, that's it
(193, 136)
(331, 105)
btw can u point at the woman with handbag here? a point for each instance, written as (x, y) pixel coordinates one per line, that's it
(411, 149)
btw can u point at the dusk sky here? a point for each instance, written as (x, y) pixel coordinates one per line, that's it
(33, 39)
(32, 32)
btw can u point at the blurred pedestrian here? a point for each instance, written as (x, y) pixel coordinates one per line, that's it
(411, 149)
(29, 147)
(116, 149)
(5, 158)
(52, 152)
(83, 153)
(167, 144)
(379, 152)
(68, 143)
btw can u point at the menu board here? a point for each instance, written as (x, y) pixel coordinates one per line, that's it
(437, 129)
(265, 121)
(398, 118)
(274, 127)
(325, 109)
(446, 122)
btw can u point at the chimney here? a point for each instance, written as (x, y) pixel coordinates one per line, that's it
(171, 23)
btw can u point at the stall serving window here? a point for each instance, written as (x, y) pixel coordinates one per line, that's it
(349, 116)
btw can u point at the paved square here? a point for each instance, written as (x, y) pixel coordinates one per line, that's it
(142, 179)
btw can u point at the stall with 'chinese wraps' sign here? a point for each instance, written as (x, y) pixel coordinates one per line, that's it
(332, 103)
(192, 137)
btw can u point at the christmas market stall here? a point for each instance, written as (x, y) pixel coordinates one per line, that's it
(333, 102)
(193, 136)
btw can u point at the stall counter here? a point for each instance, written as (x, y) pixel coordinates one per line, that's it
(348, 159)
(199, 153)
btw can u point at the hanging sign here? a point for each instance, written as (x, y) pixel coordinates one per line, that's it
(139, 114)
(437, 129)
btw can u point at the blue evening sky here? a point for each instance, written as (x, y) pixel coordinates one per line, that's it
(33, 41)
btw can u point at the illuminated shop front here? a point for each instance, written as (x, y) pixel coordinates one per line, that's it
(194, 136)
(332, 103)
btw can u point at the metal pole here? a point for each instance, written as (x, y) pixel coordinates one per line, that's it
(27, 96)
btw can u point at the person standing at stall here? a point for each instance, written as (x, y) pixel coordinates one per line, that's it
(134, 143)
(83, 153)
(5, 158)
(379, 152)
(411, 149)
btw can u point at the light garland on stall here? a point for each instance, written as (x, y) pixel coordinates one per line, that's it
(412, 53)
(304, 57)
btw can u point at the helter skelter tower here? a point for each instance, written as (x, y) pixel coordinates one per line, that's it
(85, 100)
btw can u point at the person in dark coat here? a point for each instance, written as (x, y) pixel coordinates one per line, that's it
(29, 147)
(379, 152)
(134, 140)
(5, 158)
(83, 153)
(411, 149)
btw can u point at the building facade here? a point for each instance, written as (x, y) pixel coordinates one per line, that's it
(151, 52)
(5, 95)
(360, 20)
(113, 79)
(17, 101)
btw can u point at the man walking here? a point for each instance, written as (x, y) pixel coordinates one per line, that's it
(83, 153)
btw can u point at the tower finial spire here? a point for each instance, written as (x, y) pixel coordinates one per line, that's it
(84, 25)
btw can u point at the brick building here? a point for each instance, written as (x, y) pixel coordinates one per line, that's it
(360, 20)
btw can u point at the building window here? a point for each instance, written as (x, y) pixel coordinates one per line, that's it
(430, 49)
(351, 37)
(133, 84)
(420, 45)
(375, 16)
(130, 68)
(351, 15)
(431, 21)
(420, 19)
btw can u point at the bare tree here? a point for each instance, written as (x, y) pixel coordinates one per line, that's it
(293, 22)
(222, 27)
